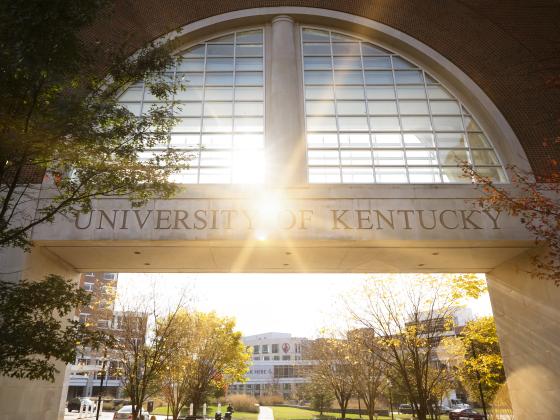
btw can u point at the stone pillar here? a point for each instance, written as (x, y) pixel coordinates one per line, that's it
(31, 400)
(527, 314)
(285, 132)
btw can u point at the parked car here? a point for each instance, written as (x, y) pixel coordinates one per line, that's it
(444, 409)
(75, 403)
(465, 414)
(125, 413)
(405, 409)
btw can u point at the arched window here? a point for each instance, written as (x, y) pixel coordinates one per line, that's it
(368, 115)
(374, 117)
(221, 111)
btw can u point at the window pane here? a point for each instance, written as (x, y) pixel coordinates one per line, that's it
(409, 77)
(319, 107)
(253, 63)
(424, 175)
(385, 123)
(320, 92)
(216, 141)
(411, 92)
(377, 62)
(485, 157)
(248, 141)
(391, 175)
(347, 63)
(452, 157)
(322, 140)
(249, 109)
(357, 175)
(414, 107)
(219, 94)
(321, 123)
(448, 124)
(381, 92)
(471, 125)
(401, 63)
(386, 140)
(248, 124)
(451, 140)
(245, 37)
(248, 78)
(349, 92)
(388, 157)
(353, 123)
(188, 109)
(382, 107)
(187, 125)
(346, 48)
(348, 77)
(416, 123)
(315, 35)
(445, 107)
(419, 140)
(478, 140)
(219, 79)
(318, 77)
(214, 109)
(351, 108)
(324, 175)
(368, 49)
(421, 157)
(437, 92)
(355, 157)
(217, 124)
(316, 49)
(254, 93)
(379, 77)
(248, 50)
(219, 64)
(453, 174)
(354, 140)
(197, 51)
(323, 157)
(317, 63)
(219, 50)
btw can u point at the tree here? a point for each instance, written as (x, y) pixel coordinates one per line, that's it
(208, 355)
(410, 323)
(38, 327)
(368, 371)
(332, 368)
(319, 394)
(536, 201)
(145, 347)
(480, 360)
(64, 137)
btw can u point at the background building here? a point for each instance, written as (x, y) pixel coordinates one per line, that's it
(277, 367)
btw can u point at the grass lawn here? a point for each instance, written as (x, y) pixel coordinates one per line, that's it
(291, 413)
(237, 415)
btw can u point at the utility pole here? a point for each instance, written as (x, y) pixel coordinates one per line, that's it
(479, 384)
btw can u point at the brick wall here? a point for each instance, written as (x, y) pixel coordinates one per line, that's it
(511, 48)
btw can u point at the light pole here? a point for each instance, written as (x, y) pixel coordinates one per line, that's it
(390, 399)
(101, 385)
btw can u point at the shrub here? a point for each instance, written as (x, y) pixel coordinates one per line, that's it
(246, 403)
(271, 400)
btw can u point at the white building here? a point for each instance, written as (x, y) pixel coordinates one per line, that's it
(277, 365)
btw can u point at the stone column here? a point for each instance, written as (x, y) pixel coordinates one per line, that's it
(31, 400)
(527, 314)
(285, 133)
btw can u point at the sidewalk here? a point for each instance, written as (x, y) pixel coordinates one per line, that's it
(265, 413)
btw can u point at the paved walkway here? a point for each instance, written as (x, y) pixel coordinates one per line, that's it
(265, 413)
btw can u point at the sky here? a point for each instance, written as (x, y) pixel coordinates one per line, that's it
(300, 304)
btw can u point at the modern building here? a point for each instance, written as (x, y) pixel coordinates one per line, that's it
(277, 367)
(85, 378)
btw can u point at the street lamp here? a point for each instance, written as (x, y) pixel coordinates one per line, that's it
(390, 399)
(101, 385)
